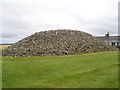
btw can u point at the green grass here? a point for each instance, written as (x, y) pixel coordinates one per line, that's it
(94, 70)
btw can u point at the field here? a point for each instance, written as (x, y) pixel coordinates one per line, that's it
(3, 47)
(94, 70)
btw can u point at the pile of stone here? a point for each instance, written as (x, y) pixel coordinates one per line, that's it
(57, 42)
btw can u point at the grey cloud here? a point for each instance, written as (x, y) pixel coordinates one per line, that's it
(7, 35)
(22, 19)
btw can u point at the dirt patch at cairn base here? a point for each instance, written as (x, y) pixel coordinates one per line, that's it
(57, 42)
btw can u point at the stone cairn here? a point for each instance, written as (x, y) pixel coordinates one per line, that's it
(57, 42)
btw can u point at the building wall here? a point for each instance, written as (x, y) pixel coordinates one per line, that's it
(112, 40)
(114, 43)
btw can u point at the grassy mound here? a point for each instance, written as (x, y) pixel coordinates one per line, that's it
(93, 70)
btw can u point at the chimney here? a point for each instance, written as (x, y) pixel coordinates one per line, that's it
(107, 35)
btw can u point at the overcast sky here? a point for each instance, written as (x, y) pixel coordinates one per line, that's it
(20, 18)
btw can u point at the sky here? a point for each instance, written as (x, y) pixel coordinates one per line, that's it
(21, 18)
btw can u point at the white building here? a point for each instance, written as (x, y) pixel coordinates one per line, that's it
(112, 40)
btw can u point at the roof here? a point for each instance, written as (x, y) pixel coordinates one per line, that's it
(109, 38)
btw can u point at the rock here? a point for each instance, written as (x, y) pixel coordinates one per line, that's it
(57, 42)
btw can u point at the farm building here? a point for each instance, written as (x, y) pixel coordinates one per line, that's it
(112, 40)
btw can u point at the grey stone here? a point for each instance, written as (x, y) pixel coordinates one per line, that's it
(57, 42)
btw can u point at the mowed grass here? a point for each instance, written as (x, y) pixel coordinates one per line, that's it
(94, 70)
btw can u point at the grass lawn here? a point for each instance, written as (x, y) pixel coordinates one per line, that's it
(94, 70)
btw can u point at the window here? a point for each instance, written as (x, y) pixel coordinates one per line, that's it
(113, 43)
(118, 44)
